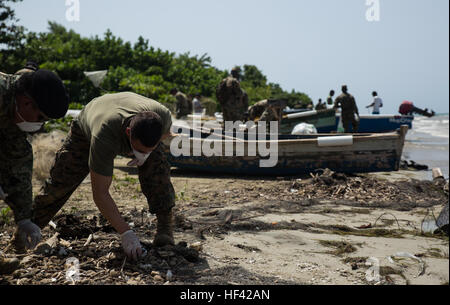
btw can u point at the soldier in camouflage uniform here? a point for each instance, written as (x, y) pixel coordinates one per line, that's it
(347, 103)
(26, 101)
(114, 124)
(272, 113)
(256, 110)
(320, 105)
(232, 98)
(183, 106)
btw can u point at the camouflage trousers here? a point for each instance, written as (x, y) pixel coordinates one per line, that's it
(348, 120)
(71, 168)
(233, 110)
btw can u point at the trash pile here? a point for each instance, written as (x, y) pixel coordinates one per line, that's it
(85, 251)
(326, 184)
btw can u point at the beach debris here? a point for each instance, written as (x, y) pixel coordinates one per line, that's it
(411, 256)
(62, 251)
(368, 226)
(89, 239)
(197, 246)
(398, 224)
(404, 164)
(169, 275)
(48, 246)
(228, 217)
(431, 225)
(52, 224)
(146, 267)
(437, 173)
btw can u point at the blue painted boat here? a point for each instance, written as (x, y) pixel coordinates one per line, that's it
(379, 123)
(296, 154)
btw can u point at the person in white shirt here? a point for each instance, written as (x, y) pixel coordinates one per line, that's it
(197, 104)
(377, 103)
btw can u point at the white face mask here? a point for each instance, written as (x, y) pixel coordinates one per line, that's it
(140, 157)
(28, 126)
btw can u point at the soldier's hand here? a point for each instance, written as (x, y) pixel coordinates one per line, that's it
(131, 245)
(28, 233)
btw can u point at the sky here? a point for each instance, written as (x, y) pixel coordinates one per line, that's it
(311, 46)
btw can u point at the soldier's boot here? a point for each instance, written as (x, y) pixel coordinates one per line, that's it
(8, 265)
(164, 229)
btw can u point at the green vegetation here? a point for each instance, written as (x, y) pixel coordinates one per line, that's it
(5, 215)
(131, 179)
(61, 124)
(76, 106)
(10, 33)
(181, 195)
(137, 67)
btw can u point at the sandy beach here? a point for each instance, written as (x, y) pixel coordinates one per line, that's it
(251, 230)
(321, 229)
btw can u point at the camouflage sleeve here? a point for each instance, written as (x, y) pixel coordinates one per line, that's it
(16, 166)
(235, 87)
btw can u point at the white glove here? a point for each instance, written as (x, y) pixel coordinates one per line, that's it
(29, 233)
(131, 245)
(2, 194)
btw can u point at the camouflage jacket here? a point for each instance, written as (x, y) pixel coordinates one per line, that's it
(255, 111)
(347, 103)
(16, 154)
(183, 106)
(227, 89)
(232, 98)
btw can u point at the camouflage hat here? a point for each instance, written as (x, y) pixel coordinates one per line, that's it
(236, 69)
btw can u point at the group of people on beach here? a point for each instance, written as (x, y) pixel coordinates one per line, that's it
(125, 124)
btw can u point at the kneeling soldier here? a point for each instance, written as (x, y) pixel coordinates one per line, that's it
(114, 124)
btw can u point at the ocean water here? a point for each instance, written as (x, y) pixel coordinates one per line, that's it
(428, 143)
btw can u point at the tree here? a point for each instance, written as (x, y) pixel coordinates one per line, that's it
(136, 67)
(254, 76)
(11, 34)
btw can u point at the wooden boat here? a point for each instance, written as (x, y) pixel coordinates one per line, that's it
(347, 153)
(323, 120)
